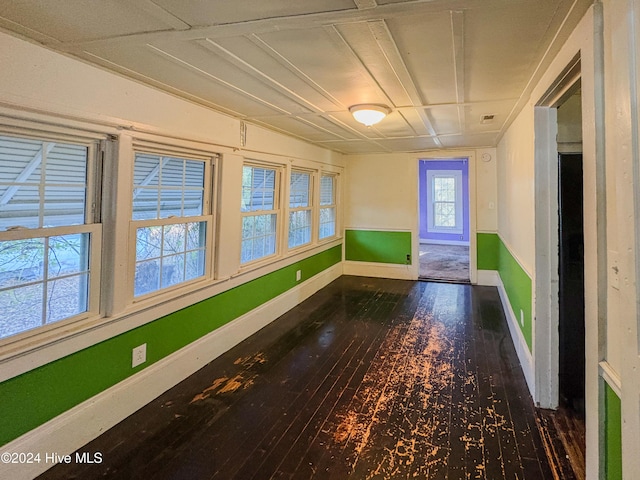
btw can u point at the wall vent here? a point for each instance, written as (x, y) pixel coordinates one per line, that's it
(487, 118)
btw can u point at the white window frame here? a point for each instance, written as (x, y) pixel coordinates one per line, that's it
(277, 211)
(458, 229)
(92, 225)
(309, 208)
(334, 206)
(209, 160)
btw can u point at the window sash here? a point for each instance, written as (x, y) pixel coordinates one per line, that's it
(300, 227)
(328, 229)
(445, 204)
(260, 242)
(160, 180)
(300, 197)
(442, 213)
(250, 191)
(56, 280)
(171, 258)
(265, 244)
(176, 179)
(324, 186)
(44, 181)
(83, 268)
(300, 231)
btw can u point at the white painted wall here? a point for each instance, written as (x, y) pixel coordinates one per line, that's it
(487, 190)
(381, 193)
(621, 355)
(515, 189)
(382, 189)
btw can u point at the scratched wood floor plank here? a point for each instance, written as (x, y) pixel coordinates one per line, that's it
(367, 379)
(305, 383)
(309, 451)
(374, 310)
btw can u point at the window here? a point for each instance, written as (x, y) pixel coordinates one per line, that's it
(259, 212)
(49, 232)
(327, 224)
(171, 220)
(444, 214)
(444, 202)
(299, 209)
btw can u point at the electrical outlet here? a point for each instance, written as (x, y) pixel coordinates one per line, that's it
(521, 318)
(298, 275)
(408, 259)
(139, 355)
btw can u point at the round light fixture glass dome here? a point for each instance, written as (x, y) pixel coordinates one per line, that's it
(369, 113)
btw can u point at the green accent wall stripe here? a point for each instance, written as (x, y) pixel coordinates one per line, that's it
(517, 284)
(613, 434)
(493, 254)
(377, 246)
(487, 246)
(33, 398)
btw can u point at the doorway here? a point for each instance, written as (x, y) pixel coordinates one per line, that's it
(559, 343)
(571, 286)
(444, 220)
(571, 293)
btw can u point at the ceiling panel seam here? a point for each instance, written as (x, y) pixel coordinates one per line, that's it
(346, 49)
(457, 34)
(389, 48)
(224, 83)
(283, 61)
(219, 50)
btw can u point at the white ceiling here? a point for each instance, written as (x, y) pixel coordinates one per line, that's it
(297, 66)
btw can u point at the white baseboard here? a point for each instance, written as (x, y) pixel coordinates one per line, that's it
(380, 270)
(522, 349)
(488, 278)
(74, 428)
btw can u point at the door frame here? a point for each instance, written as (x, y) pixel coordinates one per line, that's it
(586, 44)
(444, 155)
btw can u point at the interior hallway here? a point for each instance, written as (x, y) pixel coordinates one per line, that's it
(368, 378)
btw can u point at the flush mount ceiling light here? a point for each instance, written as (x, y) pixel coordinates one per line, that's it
(369, 113)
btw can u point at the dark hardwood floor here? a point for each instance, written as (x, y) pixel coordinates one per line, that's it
(367, 379)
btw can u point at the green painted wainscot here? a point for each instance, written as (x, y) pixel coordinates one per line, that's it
(378, 246)
(613, 434)
(494, 255)
(33, 398)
